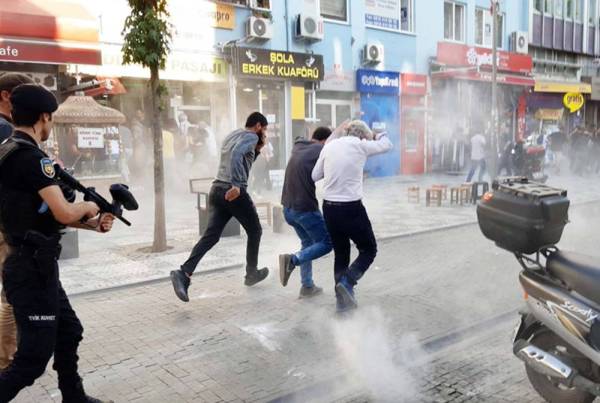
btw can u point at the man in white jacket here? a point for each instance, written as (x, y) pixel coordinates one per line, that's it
(341, 165)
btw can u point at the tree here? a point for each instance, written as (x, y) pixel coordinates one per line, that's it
(147, 42)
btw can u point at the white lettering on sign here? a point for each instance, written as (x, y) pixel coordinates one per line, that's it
(475, 59)
(380, 81)
(8, 51)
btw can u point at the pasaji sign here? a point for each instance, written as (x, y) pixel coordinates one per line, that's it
(573, 101)
(272, 64)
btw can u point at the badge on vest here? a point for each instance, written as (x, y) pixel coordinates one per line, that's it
(48, 167)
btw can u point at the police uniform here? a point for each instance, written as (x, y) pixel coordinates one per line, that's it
(46, 323)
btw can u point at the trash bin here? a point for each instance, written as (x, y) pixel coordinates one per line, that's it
(231, 229)
(70, 244)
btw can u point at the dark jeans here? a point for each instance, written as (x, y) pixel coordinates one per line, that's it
(46, 325)
(349, 222)
(311, 229)
(220, 212)
(474, 164)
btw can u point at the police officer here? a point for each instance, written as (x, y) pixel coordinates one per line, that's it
(33, 210)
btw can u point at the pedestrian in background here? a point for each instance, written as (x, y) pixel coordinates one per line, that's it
(229, 198)
(301, 212)
(341, 165)
(8, 326)
(478, 146)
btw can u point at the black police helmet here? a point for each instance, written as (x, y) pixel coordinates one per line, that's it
(33, 97)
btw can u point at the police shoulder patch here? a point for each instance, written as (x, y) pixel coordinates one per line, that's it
(48, 167)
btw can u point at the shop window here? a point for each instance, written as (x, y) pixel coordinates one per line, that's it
(336, 10)
(483, 28)
(454, 21)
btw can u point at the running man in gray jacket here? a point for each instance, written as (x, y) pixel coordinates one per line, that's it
(229, 198)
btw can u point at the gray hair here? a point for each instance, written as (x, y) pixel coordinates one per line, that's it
(358, 128)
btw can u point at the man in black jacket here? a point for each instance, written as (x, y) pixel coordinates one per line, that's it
(301, 211)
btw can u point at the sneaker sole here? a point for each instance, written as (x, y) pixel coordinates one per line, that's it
(184, 298)
(349, 300)
(282, 271)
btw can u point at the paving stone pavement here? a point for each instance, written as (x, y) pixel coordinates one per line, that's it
(117, 259)
(231, 343)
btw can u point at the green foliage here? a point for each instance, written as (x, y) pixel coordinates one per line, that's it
(147, 34)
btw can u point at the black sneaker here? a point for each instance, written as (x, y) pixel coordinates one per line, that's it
(90, 399)
(181, 283)
(256, 277)
(308, 292)
(346, 294)
(286, 267)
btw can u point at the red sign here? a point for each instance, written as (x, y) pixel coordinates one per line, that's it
(413, 84)
(52, 53)
(454, 54)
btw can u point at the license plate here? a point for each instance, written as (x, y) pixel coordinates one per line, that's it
(518, 328)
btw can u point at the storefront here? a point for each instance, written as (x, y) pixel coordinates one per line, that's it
(37, 36)
(380, 108)
(195, 75)
(413, 115)
(548, 110)
(277, 84)
(461, 99)
(336, 99)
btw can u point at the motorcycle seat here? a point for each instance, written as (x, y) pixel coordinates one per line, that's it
(580, 273)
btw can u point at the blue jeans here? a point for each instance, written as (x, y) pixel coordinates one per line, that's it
(311, 229)
(474, 164)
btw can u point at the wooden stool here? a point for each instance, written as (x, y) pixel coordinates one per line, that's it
(414, 194)
(478, 190)
(454, 195)
(465, 194)
(433, 196)
(443, 188)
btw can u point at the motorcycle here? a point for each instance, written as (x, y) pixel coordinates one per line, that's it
(558, 333)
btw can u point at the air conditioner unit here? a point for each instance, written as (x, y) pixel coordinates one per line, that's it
(259, 29)
(519, 42)
(373, 53)
(310, 27)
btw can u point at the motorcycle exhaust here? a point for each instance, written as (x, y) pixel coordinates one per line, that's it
(549, 365)
(542, 361)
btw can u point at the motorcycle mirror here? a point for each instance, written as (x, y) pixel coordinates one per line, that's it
(121, 194)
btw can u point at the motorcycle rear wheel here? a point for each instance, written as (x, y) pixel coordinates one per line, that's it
(550, 388)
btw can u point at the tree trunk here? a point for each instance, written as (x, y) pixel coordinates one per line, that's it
(160, 230)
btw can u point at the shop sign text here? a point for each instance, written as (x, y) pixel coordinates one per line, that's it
(262, 63)
(573, 101)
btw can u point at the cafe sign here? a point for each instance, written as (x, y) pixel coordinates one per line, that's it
(273, 64)
(573, 101)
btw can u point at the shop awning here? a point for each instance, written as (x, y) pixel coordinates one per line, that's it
(562, 87)
(485, 76)
(48, 31)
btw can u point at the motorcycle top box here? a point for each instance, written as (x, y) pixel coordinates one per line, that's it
(523, 216)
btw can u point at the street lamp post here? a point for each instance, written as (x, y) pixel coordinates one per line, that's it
(494, 136)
